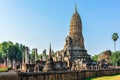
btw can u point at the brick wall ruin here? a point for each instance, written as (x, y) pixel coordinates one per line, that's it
(57, 75)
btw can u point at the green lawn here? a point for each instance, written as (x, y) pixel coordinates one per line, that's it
(4, 69)
(115, 77)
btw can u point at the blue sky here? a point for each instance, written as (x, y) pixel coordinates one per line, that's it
(36, 23)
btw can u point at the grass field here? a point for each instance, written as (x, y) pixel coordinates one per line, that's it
(3, 69)
(114, 77)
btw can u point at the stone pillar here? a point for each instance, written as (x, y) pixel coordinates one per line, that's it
(23, 58)
(41, 58)
(26, 55)
(36, 55)
(13, 64)
(44, 52)
(8, 61)
(5, 61)
(31, 61)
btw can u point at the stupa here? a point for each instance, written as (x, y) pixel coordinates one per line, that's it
(74, 44)
(49, 63)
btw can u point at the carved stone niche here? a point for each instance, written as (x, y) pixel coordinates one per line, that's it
(68, 41)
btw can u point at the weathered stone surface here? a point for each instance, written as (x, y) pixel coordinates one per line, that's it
(76, 31)
(74, 47)
(28, 67)
(105, 56)
(26, 55)
(8, 76)
(104, 59)
(49, 65)
(57, 75)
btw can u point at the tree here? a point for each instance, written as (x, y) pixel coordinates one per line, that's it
(22, 50)
(115, 58)
(95, 57)
(4, 51)
(32, 55)
(40, 55)
(10, 52)
(115, 37)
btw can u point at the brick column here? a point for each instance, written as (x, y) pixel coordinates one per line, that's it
(26, 55)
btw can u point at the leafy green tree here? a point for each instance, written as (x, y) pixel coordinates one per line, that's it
(22, 51)
(17, 52)
(32, 55)
(115, 58)
(40, 55)
(115, 37)
(95, 57)
(10, 51)
(4, 51)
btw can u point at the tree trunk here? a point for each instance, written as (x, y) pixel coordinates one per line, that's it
(23, 60)
(114, 45)
(13, 63)
(5, 61)
(10, 62)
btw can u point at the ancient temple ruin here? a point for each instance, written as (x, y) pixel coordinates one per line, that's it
(49, 63)
(27, 55)
(74, 45)
(74, 52)
(73, 56)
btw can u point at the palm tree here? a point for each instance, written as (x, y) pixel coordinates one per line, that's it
(115, 37)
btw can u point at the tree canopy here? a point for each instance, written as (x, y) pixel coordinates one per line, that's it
(115, 58)
(95, 57)
(114, 38)
(11, 51)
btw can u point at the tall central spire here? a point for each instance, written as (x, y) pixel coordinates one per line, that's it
(75, 7)
(76, 30)
(74, 47)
